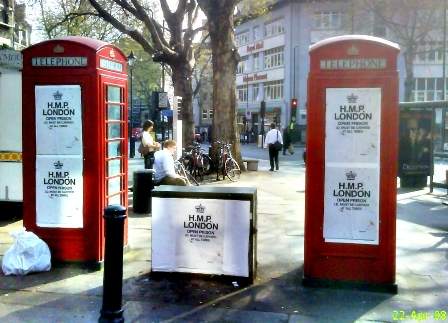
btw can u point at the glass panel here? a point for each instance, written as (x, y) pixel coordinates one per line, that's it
(114, 185)
(439, 83)
(430, 83)
(113, 130)
(113, 112)
(113, 94)
(420, 96)
(420, 84)
(116, 199)
(113, 149)
(113, 167)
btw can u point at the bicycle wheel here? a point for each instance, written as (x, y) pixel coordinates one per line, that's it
(232, 170)
(198, 172)
(206, 164)
(191, 180)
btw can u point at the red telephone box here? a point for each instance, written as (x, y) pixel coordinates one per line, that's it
(75, 143)
(352, 142)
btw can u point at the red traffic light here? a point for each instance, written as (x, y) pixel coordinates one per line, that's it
(294, 103)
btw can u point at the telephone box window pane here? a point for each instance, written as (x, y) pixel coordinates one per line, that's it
(114, 167)
(113, 130)
(113, 149)
(113, 94)
(114, 185)
(114, 112)
(116, 199)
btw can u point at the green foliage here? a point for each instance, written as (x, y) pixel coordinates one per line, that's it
(251, 9)
(146, 73)
(73, 17)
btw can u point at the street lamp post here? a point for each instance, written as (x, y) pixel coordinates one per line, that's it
(131, 60)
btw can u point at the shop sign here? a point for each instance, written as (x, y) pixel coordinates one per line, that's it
(255, 77)
(10, 58)
(254, 47)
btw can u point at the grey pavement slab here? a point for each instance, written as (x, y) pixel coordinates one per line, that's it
(69, 293)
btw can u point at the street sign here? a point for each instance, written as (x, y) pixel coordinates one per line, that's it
(163, 100)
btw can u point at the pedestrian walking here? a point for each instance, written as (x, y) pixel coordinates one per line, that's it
(286, 140)
(148, 146)
(273, 142)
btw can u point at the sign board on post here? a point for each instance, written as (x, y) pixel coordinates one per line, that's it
(162, 102)
(352, 142)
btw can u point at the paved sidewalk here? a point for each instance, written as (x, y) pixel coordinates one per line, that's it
(72, 294)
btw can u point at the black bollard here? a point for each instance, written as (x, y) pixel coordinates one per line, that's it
(111, 311)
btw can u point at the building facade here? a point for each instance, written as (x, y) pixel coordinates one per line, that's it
(15, 31)
(275, 61)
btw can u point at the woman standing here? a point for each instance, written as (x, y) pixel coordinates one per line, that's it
(274, 142)
(148, 141)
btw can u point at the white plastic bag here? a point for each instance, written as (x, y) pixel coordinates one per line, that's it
(28, 254)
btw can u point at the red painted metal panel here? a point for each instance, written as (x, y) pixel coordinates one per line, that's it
(350, 261)
(84, 244)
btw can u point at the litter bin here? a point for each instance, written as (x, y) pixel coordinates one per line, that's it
(143, 186)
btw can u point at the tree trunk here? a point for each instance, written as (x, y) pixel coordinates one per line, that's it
(224, 60)
(183, 87)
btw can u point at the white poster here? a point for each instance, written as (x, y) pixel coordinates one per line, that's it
(59, 191)
(352, 125)
(58, 120)
(351, 204)
(206, 236)
(352, 172)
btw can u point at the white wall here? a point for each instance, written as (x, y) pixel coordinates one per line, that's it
(10, 133)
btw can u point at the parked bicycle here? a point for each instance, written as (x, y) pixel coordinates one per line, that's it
(196, 161)
(181, 171)
(227, 165)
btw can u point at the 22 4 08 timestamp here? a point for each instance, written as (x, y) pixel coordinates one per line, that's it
(437, 315)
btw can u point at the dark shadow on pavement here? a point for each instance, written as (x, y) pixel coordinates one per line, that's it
(189, 298)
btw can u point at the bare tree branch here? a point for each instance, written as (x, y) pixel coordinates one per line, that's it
(199, 78)
(69, 17)
(134, 34)
(156, 33)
